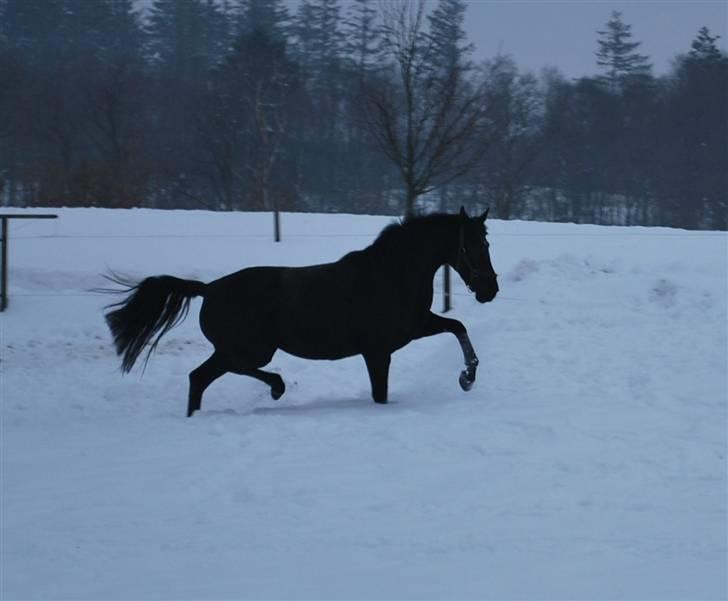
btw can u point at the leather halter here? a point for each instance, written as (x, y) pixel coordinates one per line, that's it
(475, 274)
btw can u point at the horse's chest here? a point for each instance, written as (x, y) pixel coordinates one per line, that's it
(397, 316)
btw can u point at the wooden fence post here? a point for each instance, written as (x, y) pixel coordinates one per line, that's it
(4, 268)
(446, 294)
(4, 218)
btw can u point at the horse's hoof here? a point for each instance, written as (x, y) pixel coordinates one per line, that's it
(277, 393)
(465, 382)
(381, 401)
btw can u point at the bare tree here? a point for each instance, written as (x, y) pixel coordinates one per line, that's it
(10, 77)
(267, 99)
(116, 128)
(243, 122)
(422, 113)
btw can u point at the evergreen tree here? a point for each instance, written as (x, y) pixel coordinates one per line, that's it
(318, 36)
(363, 36)
(185, 39)
(303, 31)
(125, 35)
(704, 49)
(448, 51)
(243, 122)
(695, 149)
(318, 48)
(79, 99)
(269, 16)
(363, 172)
(3, 25)
(617, 57)
(637, 137)
(514, 102)
(552, 168)
(107, 45)
(33, 29)
(450, 48)
(52, 33)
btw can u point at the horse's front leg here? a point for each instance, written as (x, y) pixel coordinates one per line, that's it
(437, 325)
(378, 368)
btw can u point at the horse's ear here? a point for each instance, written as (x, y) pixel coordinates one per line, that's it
(463, 213)
(484, 216)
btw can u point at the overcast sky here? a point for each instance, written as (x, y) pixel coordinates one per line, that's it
(562, 33)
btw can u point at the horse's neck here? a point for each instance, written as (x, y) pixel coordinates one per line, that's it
(421, 253)
(429, 254)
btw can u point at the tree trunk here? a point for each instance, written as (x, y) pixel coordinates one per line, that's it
(410, 202)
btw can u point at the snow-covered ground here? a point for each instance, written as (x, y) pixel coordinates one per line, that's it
(588, 462)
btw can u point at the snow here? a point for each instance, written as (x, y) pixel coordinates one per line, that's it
(588, 461)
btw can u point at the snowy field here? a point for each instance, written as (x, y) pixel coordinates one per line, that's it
(588, 462)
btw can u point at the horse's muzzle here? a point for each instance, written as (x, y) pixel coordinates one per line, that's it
(485, 296)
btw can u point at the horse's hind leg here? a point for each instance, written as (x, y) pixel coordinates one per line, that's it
(201, 378)
(277, 386)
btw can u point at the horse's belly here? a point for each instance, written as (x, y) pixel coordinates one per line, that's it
(319, 353)
(317, 343)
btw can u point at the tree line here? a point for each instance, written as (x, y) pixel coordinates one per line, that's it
(357, 106)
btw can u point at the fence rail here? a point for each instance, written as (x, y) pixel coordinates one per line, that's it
(372, 235)
(444, 289)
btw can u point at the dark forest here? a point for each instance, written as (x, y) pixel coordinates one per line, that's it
(357, 106)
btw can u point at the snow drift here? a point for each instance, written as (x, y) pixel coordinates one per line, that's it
(588, 462)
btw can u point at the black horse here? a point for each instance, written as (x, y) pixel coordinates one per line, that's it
(370, 302)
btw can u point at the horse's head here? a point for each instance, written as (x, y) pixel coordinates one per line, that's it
(473, 258)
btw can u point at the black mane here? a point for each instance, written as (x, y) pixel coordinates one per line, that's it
(409, 229)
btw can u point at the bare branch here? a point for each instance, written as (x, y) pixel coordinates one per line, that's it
(422, 115)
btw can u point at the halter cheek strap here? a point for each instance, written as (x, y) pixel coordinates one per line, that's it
(463, 257)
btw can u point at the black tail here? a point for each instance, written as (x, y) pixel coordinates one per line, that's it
(152, 308)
